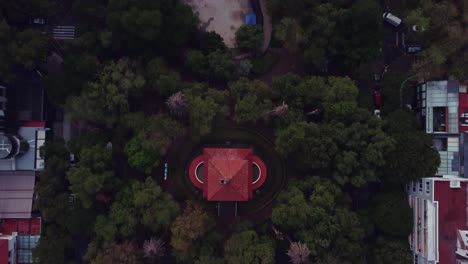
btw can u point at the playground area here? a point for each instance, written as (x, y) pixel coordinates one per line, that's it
(222, 16)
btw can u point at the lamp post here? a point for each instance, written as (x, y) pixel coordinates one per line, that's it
(401, 88)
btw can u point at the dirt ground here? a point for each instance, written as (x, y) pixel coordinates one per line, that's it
(222, 16)
(287, 63)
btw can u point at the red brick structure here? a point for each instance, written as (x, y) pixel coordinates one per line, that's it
(227, 174)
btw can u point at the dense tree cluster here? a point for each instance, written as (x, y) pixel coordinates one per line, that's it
(312, 211)
(20, 48)
(329, 33)
(249, 37)
(444, 38)
(128, 81)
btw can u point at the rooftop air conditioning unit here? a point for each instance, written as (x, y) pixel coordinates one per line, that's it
(454, 184)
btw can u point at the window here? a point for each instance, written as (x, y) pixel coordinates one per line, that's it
(440, 144)
(439, 119)
(420, 186)
(428, 186)
(414, 186)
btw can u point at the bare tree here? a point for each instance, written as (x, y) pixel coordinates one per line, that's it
(315, 112)
(177, 103)
(280, 110)
(153, 248)
(299, 253)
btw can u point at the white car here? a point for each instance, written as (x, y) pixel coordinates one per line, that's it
(417, 28)
(391, 19)
(377, 112)
(39, 21)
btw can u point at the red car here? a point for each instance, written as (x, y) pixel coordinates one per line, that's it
(377, 98)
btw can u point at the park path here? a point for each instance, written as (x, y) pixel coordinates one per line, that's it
(267, 26)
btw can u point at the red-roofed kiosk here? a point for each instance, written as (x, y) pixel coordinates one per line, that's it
(227, 174)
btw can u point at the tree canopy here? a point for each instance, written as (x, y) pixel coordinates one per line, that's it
(105, 100)
(336, 34)
(249, 37)
(187, 231)
(312, 211)
(248, 247)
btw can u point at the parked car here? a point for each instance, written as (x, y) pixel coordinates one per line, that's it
(417, 28)
(391, 19)
(38, 21)
(413, 49)
(377, 98)
(377, 112)
(72, 159)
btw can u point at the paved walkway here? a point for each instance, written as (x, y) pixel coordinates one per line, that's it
(267, 26)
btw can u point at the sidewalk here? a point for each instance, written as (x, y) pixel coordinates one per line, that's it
(267, 26)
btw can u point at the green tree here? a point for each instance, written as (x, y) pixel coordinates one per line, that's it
(208, 260)
(136, 25)
(89, 13)
(360, 33)
(123, 253)
(52, 187)
(29, 48)
(157, 208)
(105, 101)
(76, 71)
(402, 126)
(140, 203)
(187, 229)
(93, 174)
(53, 245)
(216, 65)
(211, 41)
(196, 62)
(204, 106)
(220, 65)
(162, 79)
(249, 37)
(392, 214)
(389, 250)
(293, 210)
(248, 247)
(290, 32)
(313, 210)
(25, 49)
(253, 100)
(139, 157)
(311, 144)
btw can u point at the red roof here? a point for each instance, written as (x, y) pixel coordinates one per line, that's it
(452, 217)
(30, 226)
(228, 174)
(33, 124)
(3, 251)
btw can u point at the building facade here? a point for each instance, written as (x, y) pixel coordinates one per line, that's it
(440, 222)
(18, 238)
(443, 109)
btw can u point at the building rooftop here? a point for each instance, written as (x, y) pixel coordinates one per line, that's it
(452, 217)
(30, 226)
(227, 174)
(16, 194)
